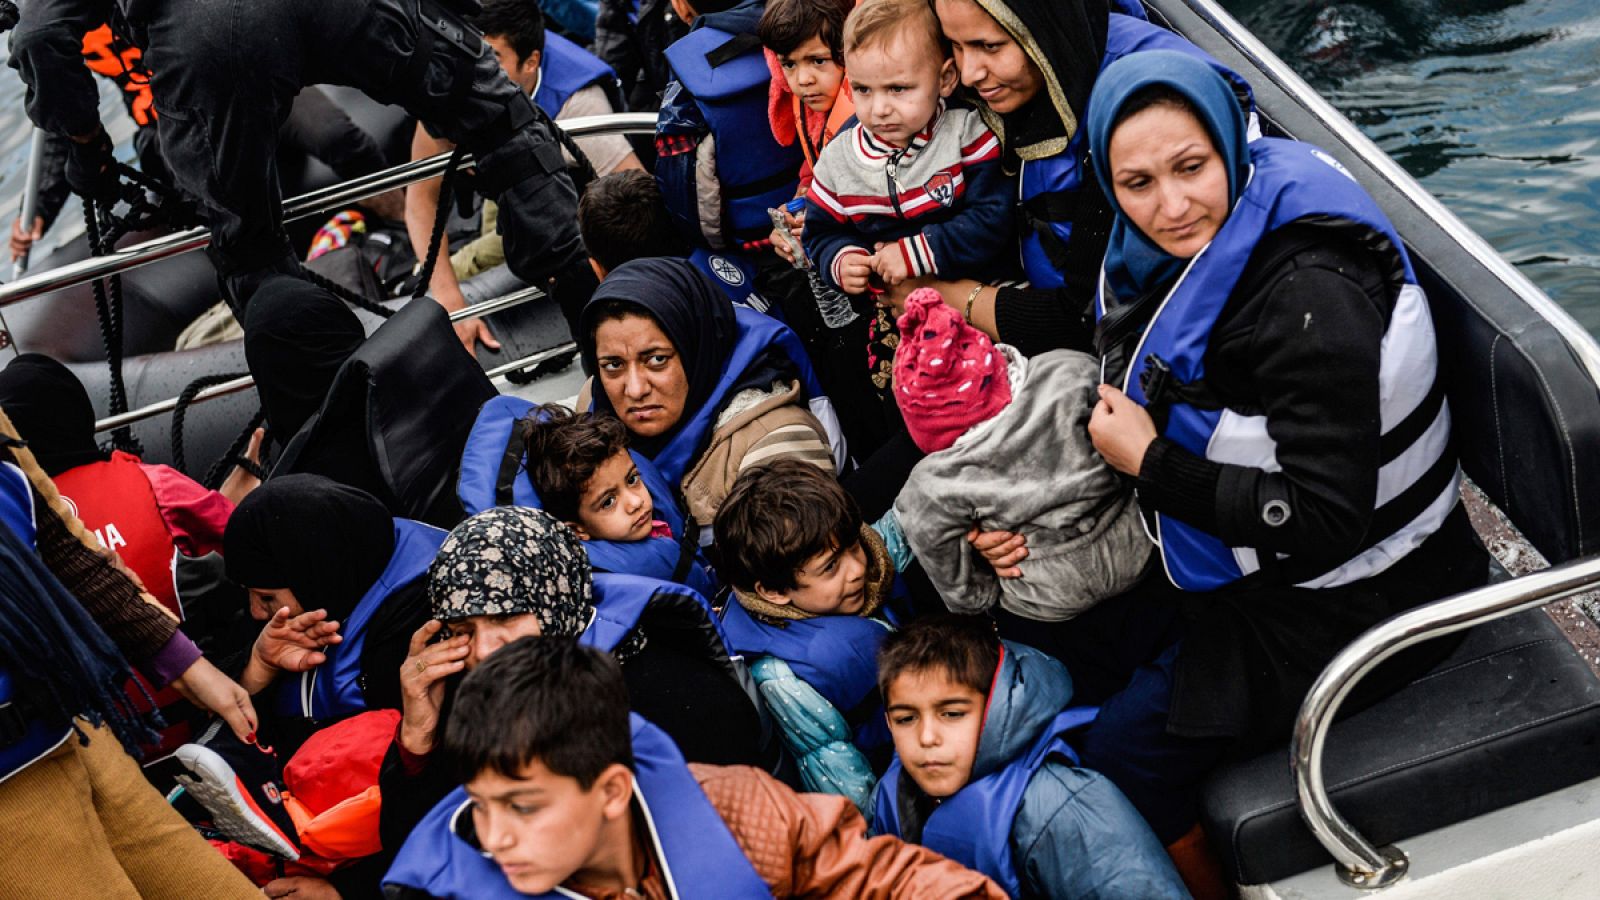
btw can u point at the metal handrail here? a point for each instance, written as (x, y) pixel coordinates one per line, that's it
(1358, 862)
(314, 203)
(246, 382)
(1577, 338)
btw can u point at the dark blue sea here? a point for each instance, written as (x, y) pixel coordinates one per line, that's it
(1492, 104)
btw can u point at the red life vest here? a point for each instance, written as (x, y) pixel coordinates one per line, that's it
(114, 500)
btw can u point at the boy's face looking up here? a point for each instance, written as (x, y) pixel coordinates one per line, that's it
(812, 75)
(898, 82)
(832, 582)
(935, 722)
(615, 505)
(542, 828)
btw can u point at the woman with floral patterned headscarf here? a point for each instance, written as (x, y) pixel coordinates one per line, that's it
(511, 572)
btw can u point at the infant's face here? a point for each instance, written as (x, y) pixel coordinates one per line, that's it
(897, 84)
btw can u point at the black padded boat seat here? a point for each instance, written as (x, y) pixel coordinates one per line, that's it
(1512, 714)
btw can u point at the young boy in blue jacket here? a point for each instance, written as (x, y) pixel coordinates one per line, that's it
(815, 591)
(983, 774)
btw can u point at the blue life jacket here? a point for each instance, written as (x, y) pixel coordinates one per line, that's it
(33, 737)
(726, 79)
(565, 69)
(1052, 193)
(973, 826)
(494, 473)
(1418, 478)
(333, 689)
(735, 273)
(577, 18)
(836, 655)
(756, 333)
(622, 600)
(698, 855)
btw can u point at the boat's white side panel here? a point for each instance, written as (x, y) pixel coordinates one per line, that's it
(1544, 848)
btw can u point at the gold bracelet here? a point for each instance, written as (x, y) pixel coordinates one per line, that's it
(971, 299)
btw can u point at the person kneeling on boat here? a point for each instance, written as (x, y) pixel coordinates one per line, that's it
(224, 79)
(816, 593)
(983, 772)
(1275, 392)
(567, 793)
(513, 571)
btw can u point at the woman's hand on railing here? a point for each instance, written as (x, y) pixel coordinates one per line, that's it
(241, 481)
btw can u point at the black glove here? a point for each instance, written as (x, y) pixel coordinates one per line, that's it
(91, 169)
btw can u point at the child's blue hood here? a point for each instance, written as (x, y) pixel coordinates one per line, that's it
(1030, 689)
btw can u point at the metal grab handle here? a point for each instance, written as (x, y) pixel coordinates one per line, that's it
(1358, 862)
(314, 203)
(246, 382)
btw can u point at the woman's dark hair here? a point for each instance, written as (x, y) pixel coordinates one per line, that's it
(545, 699)
(776, 517)
(564, 450)
(622, 217)
(963, 647)
(519, 22)
(787, 24)
(1149, 96)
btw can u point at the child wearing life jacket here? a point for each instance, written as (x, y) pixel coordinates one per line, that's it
(809, 101)
(916, 187)
(983, 772)
(580, 466)
(815, 588)
(996, 428)
(567, 794)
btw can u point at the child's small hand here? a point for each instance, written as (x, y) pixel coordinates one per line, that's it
(855, 270)
(890, 264)
(780, 246)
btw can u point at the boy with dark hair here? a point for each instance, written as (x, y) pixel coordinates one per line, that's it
(920, 181)
(568, 794)
(983, 772)
(580, 466)
(622, 218)
(815, 590)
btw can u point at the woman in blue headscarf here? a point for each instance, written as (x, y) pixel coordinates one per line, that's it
(1273, 389)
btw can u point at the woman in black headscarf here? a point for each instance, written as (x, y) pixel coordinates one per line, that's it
(296, 337)
(332, 574)
(1029, 66)
(51, 410)
(701, 387)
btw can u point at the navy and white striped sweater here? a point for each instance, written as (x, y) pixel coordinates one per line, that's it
(944, 198)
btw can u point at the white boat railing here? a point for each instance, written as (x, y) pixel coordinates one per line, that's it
(314, 203)
(1358, 862)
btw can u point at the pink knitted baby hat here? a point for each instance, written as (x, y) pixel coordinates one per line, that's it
(948, 376)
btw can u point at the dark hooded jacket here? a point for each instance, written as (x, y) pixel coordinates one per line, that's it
(1074, 835)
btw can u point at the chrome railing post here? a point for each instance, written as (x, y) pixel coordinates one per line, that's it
(1358, 862)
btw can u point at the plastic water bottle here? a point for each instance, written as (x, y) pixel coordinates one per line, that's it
(835, 307)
